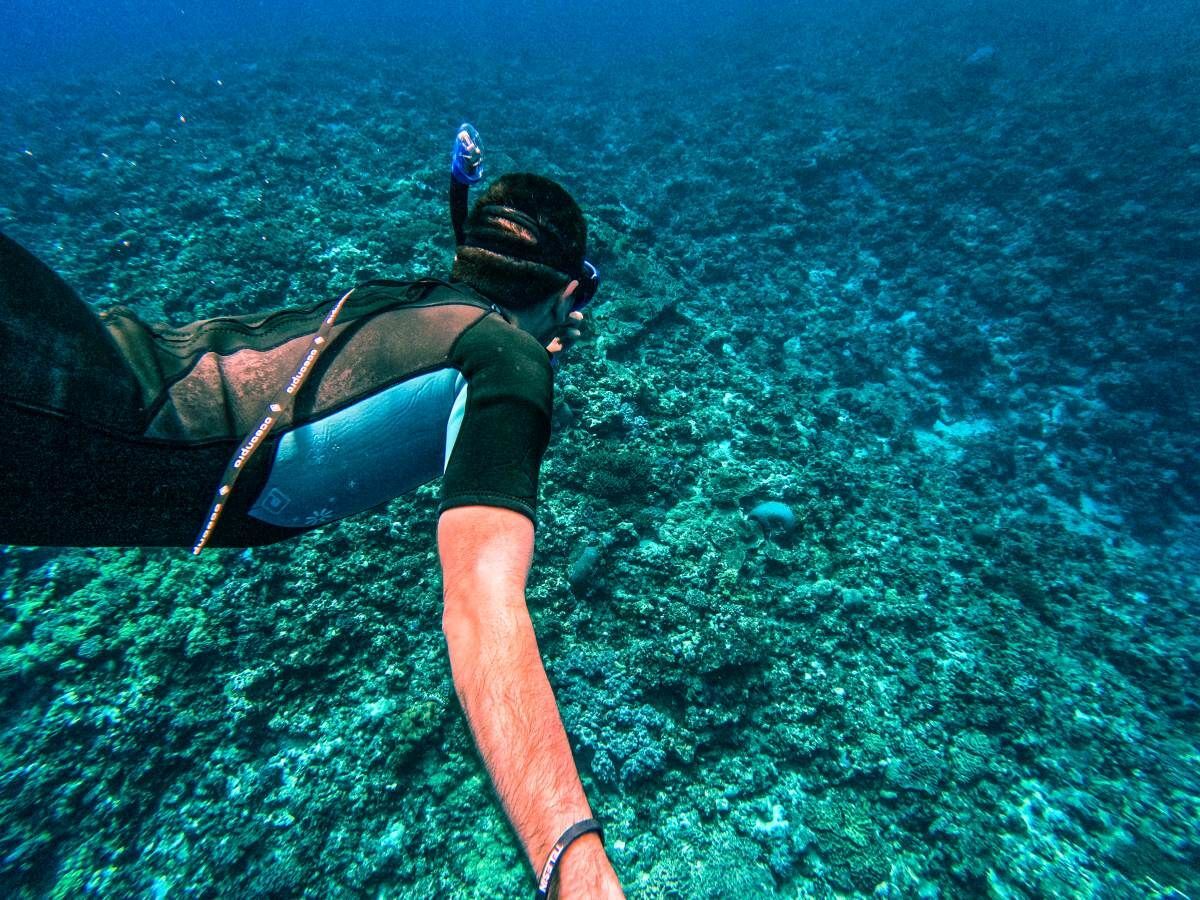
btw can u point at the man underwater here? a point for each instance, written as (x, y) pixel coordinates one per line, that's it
(118, 431)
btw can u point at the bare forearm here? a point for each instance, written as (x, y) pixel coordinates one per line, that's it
(510, 707)
(486, 553)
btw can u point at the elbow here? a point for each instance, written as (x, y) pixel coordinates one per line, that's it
(458, 624)
(486, 625)
(482, 603)
(480, 619)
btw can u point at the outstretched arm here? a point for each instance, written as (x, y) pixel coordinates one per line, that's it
(510, 707)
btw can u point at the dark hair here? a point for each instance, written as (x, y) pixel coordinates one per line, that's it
(524, 240)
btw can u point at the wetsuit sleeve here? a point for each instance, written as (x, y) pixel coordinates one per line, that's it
(506, 425)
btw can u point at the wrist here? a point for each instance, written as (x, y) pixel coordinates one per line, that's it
(577, 868)
(583, 868)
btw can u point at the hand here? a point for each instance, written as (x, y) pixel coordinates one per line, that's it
(569, 335)
(584, 873)
(568, 332)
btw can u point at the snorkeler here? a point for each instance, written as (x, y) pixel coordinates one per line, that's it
(119, 431)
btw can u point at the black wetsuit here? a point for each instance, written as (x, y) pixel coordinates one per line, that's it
(116, 432)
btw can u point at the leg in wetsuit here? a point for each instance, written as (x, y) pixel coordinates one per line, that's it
(75, 469)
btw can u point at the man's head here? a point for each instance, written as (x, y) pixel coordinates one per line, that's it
(524, 242)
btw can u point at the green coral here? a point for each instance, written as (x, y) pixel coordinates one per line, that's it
(853, 853)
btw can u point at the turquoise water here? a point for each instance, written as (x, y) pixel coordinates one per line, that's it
(927, 275)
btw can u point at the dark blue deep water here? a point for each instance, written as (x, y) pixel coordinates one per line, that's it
(869, 541)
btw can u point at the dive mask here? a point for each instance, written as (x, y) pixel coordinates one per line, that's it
(589, 283)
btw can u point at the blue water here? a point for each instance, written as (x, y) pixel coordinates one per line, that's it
(919, 279)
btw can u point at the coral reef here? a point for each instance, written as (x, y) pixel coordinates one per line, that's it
(937, 303)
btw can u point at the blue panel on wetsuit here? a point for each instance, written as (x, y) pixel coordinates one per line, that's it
(364, 455)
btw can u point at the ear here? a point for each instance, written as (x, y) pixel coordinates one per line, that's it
(564, 302)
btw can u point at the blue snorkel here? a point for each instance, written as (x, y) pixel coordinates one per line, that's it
(466, 169)
(466, 159)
